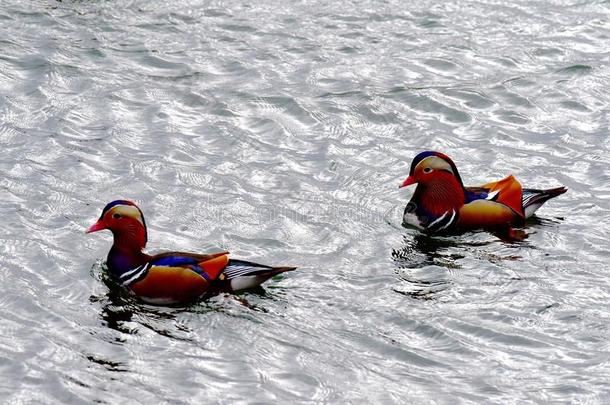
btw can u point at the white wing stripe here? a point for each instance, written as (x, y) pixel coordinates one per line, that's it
(437, 220)
(449, 222)
(130, 272)
(143, 269)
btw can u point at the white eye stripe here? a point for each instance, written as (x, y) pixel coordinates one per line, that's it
(435, 163)
(127, 211)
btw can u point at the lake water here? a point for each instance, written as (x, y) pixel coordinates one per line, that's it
(280, 131)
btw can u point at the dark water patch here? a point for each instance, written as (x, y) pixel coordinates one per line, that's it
(575, 106)
(520, 82)
(237, 28)
(108, 364)
(441, 65)
(511, 117)
(575, 70)
(548, 52)
(216, 12)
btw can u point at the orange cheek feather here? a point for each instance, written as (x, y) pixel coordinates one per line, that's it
(175, 283)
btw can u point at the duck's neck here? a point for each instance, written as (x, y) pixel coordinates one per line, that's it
(440, 195)
(126, 253)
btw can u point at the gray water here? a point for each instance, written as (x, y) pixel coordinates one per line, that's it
(280, 131)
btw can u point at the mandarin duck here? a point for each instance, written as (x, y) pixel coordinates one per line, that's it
(441, 203)
(172, 277)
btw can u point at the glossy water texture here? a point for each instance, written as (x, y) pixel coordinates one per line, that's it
(281, 131)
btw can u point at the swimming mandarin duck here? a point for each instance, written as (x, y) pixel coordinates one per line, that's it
(172, 277)
(441, 203)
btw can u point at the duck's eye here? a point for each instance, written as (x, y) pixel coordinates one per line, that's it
(116, 216)
(428, 170)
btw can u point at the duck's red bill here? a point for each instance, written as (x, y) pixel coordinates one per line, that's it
(98, 226)
(410, 180)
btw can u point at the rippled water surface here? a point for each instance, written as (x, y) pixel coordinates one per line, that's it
(280, 131)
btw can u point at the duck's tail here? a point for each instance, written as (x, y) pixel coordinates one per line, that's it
(241, 275)
(533, 199)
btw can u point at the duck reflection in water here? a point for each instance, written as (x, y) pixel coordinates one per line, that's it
(422, 263)
(122, 312)
(421, 249)
(426, 264)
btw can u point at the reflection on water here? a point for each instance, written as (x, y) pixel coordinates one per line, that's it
(424, 263)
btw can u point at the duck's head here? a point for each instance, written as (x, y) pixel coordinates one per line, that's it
(431, 167)
(126, 222)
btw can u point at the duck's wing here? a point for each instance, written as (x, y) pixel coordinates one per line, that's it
(492, 205)
(507, 192)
